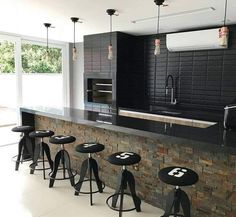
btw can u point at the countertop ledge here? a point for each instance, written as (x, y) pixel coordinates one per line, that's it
(213, 138)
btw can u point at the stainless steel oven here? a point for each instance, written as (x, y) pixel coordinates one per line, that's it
(99, 90)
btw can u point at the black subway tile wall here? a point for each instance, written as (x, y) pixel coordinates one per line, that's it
(204, 79)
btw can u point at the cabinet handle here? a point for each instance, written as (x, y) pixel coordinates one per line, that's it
(102, 84)
(104, 91)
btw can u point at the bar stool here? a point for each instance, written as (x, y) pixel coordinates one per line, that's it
(91, 165)
(44, 147)
(126, 178)
(177, 176)
(25, 147)
(63, 157)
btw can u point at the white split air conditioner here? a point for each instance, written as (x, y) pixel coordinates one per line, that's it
(195, 40)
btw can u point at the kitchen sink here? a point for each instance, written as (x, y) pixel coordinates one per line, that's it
(169, 112)
(167, 119)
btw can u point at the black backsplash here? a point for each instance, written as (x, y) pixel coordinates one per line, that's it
(204, 79)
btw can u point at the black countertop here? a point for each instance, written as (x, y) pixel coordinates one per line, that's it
(212, 138)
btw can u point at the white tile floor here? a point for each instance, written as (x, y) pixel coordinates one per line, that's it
(7, 136)
(8, 116)
(25, 195)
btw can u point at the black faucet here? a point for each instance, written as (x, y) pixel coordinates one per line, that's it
(172, 99)
(172, 81)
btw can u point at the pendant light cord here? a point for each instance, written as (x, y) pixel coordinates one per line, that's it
(74, 34)
(155, 72)
(158, 19)
(47, 39)
(226, 4)
(110, 29)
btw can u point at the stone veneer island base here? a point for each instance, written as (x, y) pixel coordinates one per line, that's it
(213, 196)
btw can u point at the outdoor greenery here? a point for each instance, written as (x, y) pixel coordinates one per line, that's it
(35, 58)
(7, 64)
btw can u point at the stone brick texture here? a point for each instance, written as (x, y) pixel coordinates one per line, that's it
(213, 196)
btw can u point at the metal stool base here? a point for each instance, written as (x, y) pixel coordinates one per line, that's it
(63, 178)
(174, 200)
(39, 169)
(22, 160)
(117, 209)
(88, 192)
(63, 157)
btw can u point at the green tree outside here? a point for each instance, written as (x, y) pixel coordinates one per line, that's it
(7, 63)
(35, 58)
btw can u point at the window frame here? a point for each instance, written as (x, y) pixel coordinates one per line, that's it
(65, 63)
(64, 46)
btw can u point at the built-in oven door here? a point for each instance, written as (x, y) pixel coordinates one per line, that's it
(99, 90)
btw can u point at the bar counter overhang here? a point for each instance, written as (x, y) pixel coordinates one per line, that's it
(211, 152)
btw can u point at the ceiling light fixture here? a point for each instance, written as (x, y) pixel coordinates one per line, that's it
(190, 12)
(47, 25)
(110, 12)
(74, 50)
(157, 50)
(224, 30)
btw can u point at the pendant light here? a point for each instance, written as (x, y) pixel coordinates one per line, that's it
(157, 50)
(74, 50)
(224, 30)
(110, 12)
(47, 25)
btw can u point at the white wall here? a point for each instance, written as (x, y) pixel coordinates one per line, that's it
(76, 78)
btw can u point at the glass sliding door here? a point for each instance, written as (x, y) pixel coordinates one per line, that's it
(8, 82)
(9, 88)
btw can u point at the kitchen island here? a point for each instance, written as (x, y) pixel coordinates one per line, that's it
(210, 151)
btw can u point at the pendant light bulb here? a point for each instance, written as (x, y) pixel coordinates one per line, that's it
(74, 53)
(74, 50)
(47, 55)
(110, 12)
(157, 50)
(110, 52)
(224, 31)
(157, 43)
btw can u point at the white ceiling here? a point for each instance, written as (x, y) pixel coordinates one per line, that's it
(26, 17)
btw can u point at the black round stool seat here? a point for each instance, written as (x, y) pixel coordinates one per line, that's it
(23, 129)
(178, 176)
(41, 133)
(124, 158)
(90, 147)
(61, 139)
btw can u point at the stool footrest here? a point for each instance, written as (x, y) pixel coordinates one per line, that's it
(172, 214)
(36, 164)
(22, 160)
(74, 173)
(118, 209)
(88, 192)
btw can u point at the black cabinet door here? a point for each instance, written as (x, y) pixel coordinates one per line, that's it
(92, 54)
(96, 53)
(88, 54)
(105, 63)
